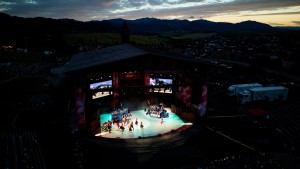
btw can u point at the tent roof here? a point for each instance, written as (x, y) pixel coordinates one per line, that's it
(102, 56)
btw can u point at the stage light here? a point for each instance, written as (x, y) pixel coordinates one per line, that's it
(100, 134)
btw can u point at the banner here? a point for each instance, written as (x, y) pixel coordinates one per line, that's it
(147, 78)
(80, 108)
(203, 104)
(115, 87)
(115, 80)
(185, 93)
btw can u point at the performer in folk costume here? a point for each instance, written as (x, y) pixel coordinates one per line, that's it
(141, 125)
(109, 126)
(122, 128)
(131, 125)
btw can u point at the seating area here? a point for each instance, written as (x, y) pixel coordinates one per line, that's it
(21, 148)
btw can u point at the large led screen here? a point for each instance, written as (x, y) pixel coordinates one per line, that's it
(161, 85)
(105, 85)
(160, 81)
(101, 85)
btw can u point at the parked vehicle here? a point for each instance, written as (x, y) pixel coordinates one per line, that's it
(235, 89)
(268, 93)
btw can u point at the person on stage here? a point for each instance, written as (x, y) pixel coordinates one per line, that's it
(162, 121)
(131, 125)
(141, 125)
(122, 128)
(109, 127)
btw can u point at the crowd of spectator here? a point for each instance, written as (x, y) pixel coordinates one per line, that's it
(238, 161)
(26, 69)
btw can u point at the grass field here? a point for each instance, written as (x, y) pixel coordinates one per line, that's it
(194, 36)
(186, 35)
(95, 39)
(111, 38)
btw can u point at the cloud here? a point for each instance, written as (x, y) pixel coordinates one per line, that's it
(207, 8)
(275, 24)
(296, 22)
(31, 2)
(255, 5)
(76, 9)
(6, 3)
(132, 9)
(106, 3)
(130, 3)
(155, 2)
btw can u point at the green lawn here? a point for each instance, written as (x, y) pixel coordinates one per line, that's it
(193, 35)
(111, 38)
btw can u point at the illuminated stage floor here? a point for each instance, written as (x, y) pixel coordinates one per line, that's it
(152, 125)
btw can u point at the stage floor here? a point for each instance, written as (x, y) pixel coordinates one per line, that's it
(152, 125)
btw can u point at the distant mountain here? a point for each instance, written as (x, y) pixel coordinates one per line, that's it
(20, 25)
(253, 26)
(288, 28)
(158, 25)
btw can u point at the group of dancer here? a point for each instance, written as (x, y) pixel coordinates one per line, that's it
(122, 118)
(157, 111)
(122, 125)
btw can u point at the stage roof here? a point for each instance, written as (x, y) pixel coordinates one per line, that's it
(102, 56)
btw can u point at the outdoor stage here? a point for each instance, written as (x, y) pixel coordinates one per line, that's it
(152, 126)
(154, 136)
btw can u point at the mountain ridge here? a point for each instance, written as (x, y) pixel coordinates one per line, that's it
(139, 26)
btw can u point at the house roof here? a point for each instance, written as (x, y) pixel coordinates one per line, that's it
(102, 56)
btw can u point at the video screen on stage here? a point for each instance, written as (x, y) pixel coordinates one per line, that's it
(105, 85)
(101, 85)
(161, 85)
(160, 81)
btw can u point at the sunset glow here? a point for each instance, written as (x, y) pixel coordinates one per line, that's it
(272, 12)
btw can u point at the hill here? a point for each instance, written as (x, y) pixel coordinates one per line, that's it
(19, 26)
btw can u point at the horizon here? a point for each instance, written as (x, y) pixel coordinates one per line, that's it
(146, 17)
(273, 13)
